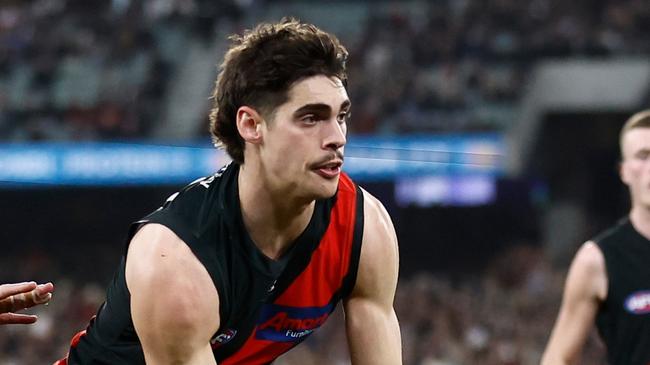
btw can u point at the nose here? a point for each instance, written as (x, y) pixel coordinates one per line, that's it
(335, 135)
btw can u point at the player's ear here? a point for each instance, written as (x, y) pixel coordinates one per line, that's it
(248, 124)
(623, 173)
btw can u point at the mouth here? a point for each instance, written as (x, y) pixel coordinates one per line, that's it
(329, 170)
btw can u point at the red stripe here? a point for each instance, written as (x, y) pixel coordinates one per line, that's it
(316, 285)
(73, 343)
(77, 338)
(331, 260)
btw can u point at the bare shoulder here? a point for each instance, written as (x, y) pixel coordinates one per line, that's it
(590, 258)
(378, 220)
(379, 262)
(156, 249)
(588, 270)
(585, 289)
(153, 240)
(169, 286)
(379, 232)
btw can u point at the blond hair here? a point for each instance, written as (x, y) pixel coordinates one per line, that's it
(638, 120)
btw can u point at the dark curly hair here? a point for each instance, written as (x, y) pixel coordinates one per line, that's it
(261, 66)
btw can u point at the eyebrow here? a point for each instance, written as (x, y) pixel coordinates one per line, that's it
(319, 108)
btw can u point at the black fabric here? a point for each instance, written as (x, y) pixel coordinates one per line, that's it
(625, 330)
(351, 277)
(268, 275)
(111, 329)
(206, 215)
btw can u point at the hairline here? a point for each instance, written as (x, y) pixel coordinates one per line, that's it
(637, 121)
(270, 115)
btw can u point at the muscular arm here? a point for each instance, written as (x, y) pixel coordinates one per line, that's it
(174, 304)
(585, 289)
(371, 324)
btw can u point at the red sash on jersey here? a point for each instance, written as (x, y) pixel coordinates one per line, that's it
(73, 344)
(308, 301)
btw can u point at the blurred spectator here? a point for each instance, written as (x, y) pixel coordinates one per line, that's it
(72, 69)
(99, 69)
(500, 316)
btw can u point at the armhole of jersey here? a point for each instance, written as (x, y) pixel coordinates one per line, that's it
(600, 245)
(357, 237)
(603, 315)
(202, 252)
(606, 265)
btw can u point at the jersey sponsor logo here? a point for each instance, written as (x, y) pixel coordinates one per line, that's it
(290, 324)
(638, 302)
(222, 338)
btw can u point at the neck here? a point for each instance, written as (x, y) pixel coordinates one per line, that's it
(272, 217)
(640, 217)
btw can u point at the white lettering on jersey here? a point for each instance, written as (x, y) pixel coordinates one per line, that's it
(171, 197)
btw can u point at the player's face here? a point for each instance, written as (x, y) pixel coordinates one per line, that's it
(303, 144)
(635, 168)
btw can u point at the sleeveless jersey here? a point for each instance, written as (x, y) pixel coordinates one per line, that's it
(266, 306)
(623, 319)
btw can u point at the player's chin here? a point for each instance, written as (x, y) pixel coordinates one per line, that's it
(324, 193)
(326, 189)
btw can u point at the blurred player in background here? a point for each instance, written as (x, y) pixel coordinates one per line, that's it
(239, 267)
(609, 280)
(19, 296)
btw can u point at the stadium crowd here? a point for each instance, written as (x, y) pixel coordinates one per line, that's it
(499, 316)
(88, 70)
(100, 69)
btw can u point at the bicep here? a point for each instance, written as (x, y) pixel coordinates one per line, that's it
(584, 289)
(373, 332)
(371, 323)
(174, 304)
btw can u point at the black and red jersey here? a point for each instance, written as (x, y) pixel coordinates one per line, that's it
(266, 306)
